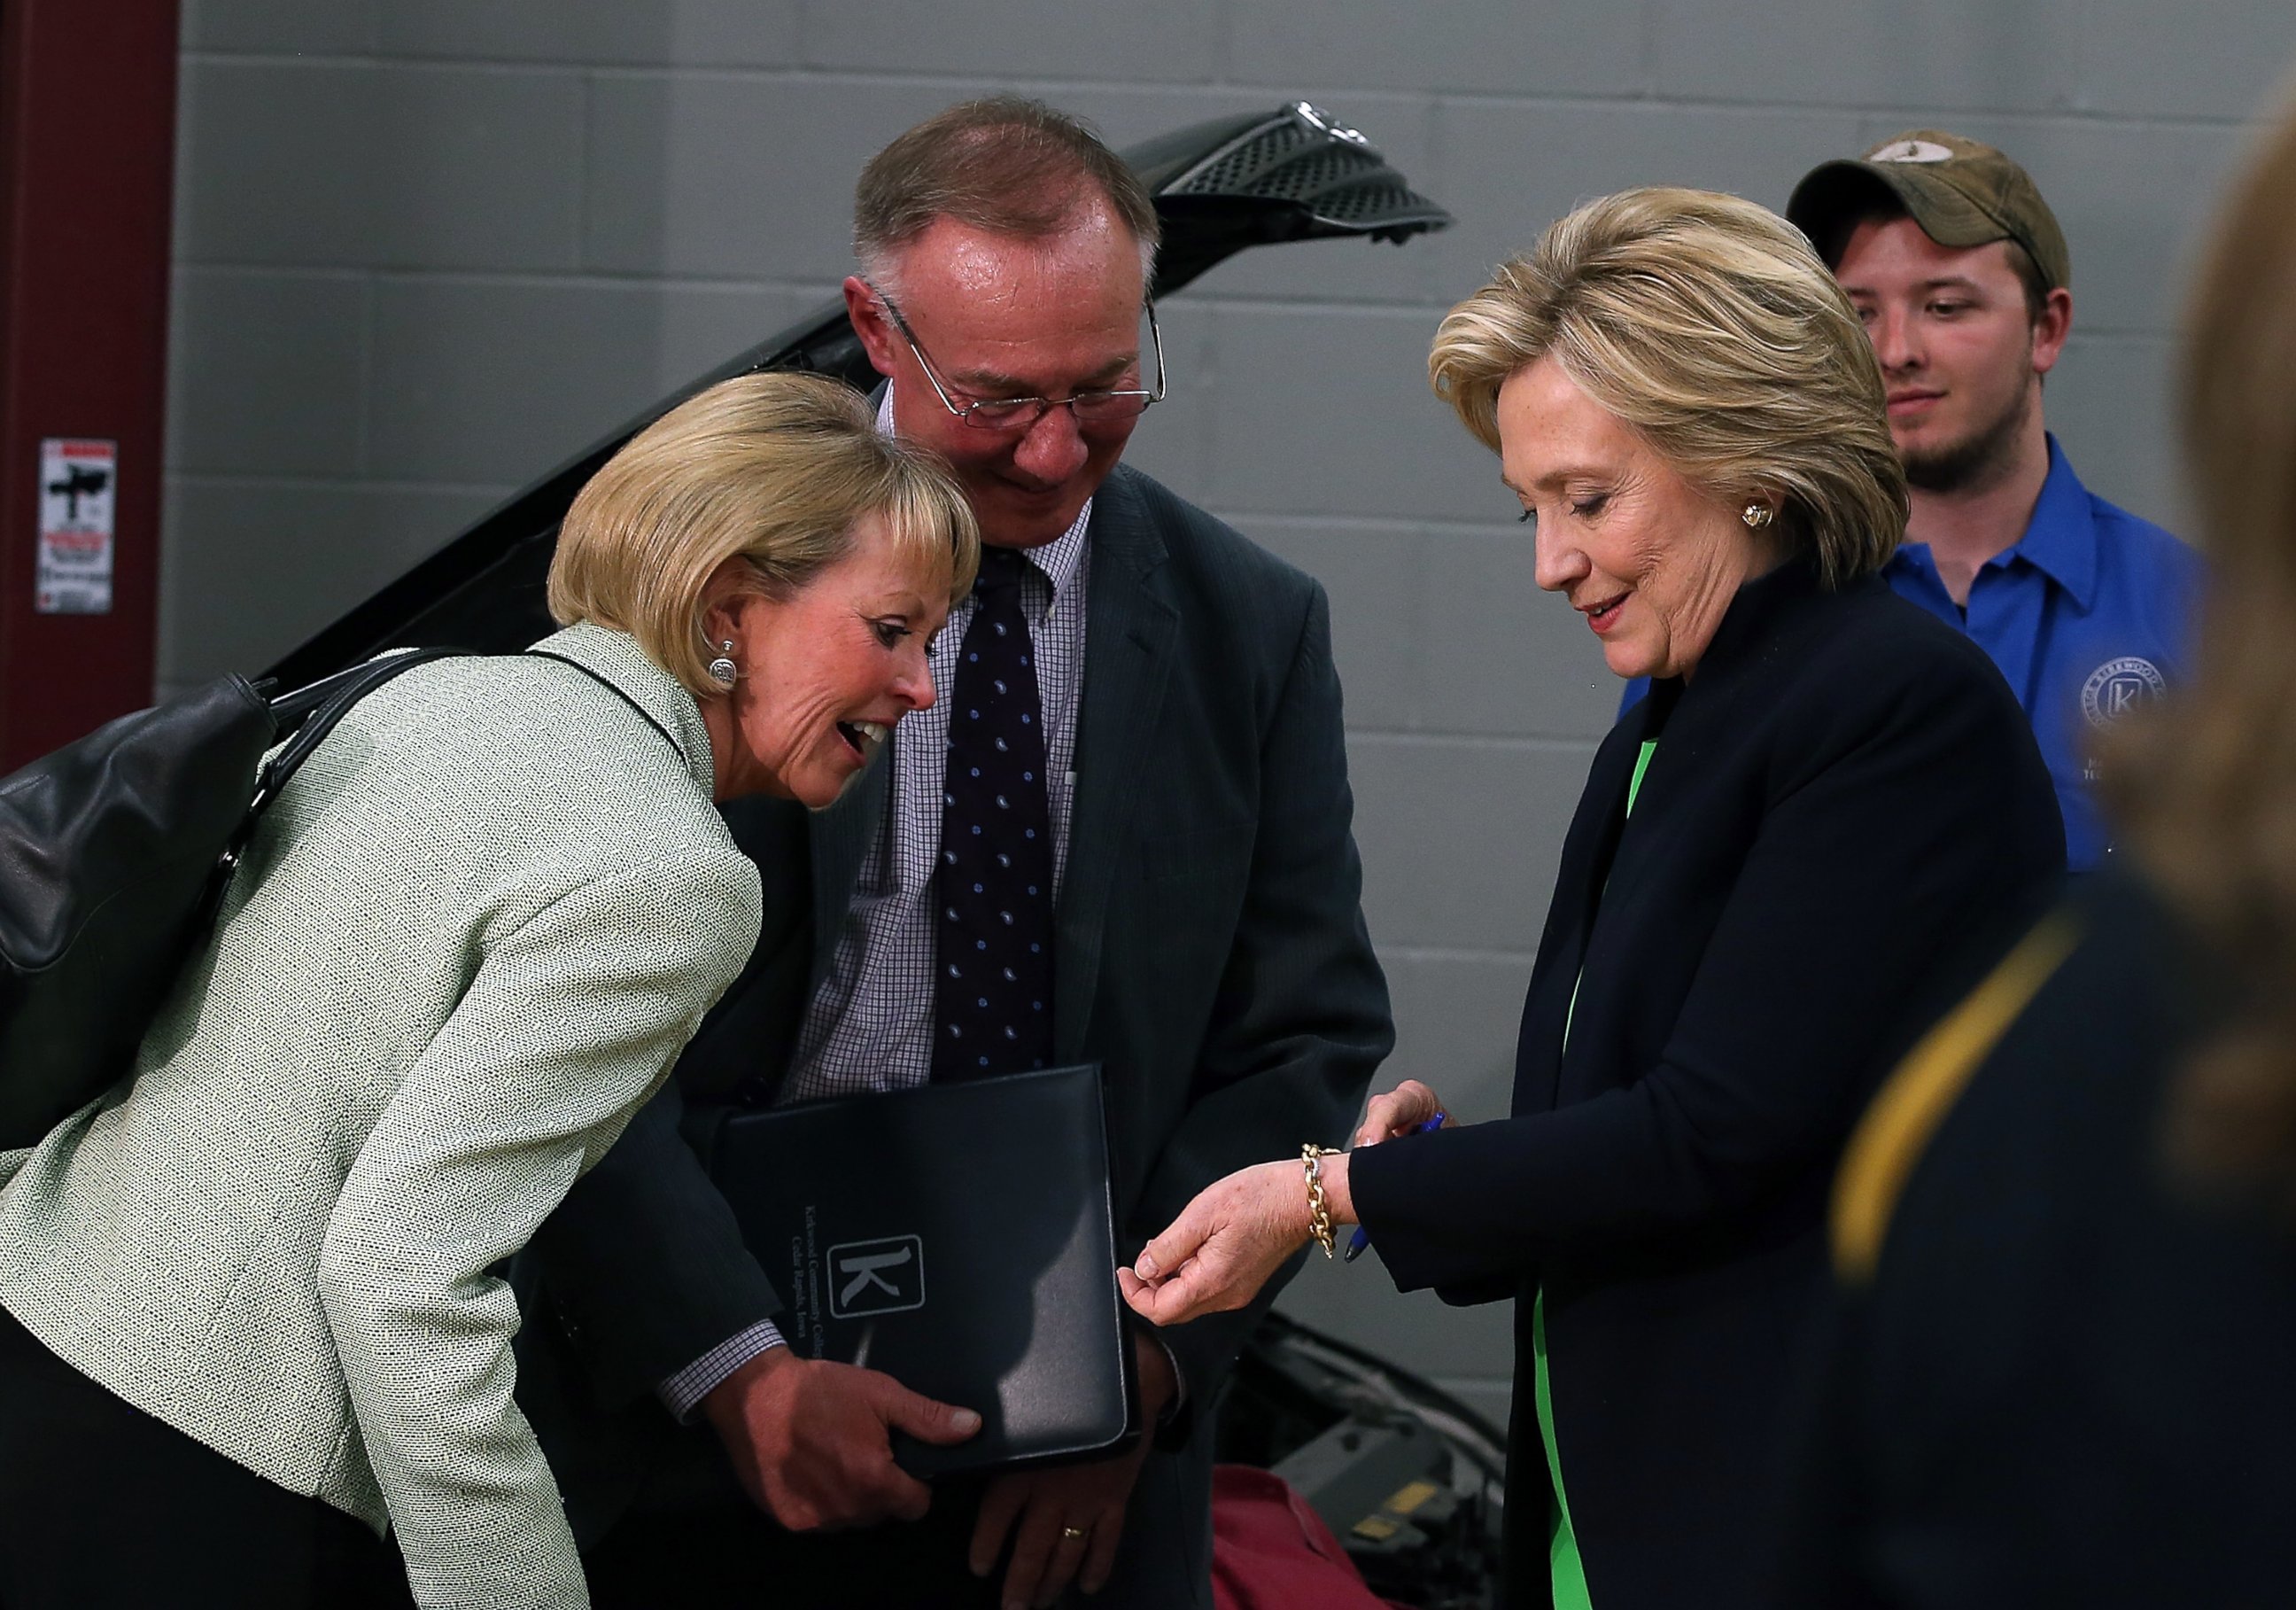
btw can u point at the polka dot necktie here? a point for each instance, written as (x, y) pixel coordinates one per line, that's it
(993, 987)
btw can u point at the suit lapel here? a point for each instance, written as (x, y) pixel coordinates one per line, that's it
(1588, 850)
(841, 837)
(1129, 622)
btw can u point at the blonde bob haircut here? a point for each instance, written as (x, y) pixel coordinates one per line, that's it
(772, 470)
(1708, 326)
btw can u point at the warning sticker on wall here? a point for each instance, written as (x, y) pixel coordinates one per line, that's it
(76, 485)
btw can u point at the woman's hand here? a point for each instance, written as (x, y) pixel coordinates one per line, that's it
(1226, 1242)
(1400, 1112)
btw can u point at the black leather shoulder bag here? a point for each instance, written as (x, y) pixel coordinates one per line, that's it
(115, 851)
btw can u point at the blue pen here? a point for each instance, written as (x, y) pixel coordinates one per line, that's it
(1361, 1237)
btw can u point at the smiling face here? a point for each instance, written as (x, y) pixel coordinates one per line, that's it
(1961, 352)
(1648, 559)
(1001, 316)
(823, 674)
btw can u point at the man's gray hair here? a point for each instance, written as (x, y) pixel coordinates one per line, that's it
(1004, 163)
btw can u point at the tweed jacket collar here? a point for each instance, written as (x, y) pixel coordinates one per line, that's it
(617, 657)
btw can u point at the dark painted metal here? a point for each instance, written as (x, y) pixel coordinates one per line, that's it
(1293, 174)
(87, 138)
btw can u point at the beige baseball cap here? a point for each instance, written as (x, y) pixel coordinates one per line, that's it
(1962, 193)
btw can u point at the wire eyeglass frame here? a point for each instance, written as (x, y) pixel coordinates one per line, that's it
(1019, 414)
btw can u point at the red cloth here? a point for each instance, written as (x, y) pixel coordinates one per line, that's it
(1270, 1551)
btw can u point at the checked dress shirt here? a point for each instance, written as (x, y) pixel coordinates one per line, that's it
(870, 1026)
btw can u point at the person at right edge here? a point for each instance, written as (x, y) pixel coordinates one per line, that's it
(1962, 279)
(2064, 1236)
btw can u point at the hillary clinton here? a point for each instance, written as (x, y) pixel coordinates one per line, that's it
(1786, 859)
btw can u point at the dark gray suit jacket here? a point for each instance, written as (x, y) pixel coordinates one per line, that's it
(1211, 953)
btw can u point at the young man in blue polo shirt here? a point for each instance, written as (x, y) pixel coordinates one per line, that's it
(1963, 278)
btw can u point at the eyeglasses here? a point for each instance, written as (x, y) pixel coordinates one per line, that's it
(1022, 412)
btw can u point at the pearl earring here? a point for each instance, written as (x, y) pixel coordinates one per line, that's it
(722, 670)
(1757, 516)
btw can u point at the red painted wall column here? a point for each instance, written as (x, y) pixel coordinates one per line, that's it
(87, 139)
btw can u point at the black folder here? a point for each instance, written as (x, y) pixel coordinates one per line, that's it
(958, 1238)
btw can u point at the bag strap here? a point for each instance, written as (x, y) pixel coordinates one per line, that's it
(309, 714)
(607, 683)
(312, 712)
(337, 694)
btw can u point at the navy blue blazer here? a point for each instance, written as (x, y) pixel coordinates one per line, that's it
(2062, 1378)
(1845, 819)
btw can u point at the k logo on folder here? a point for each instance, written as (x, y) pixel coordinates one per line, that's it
(958, 1238)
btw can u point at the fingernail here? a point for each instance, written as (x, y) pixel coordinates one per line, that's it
(1145, 1268)
(966, 1421)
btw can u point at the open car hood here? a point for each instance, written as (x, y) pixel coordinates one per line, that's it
(1257, 179)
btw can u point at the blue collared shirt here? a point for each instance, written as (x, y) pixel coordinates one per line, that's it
(2089, 614)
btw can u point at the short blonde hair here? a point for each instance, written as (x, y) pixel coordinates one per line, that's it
(772, 469)
(1708, 326)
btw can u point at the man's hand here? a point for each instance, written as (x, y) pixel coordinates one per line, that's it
(1069, 1519)
(811, 1441)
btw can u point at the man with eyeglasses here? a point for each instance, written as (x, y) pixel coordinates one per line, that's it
(1130, 800)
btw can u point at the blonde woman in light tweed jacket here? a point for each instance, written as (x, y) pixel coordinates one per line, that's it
(253, 1293)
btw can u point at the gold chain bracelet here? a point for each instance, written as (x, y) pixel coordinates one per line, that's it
(1319, 1214)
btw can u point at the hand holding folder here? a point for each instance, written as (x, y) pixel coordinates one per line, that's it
(1065, 1523)
(959, 1238)
(812, 1440)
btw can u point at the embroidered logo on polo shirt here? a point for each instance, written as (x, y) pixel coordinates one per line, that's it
(2118, 687)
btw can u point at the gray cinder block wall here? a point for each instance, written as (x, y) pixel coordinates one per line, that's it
(426, 248)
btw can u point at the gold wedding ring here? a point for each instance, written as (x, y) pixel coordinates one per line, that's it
(1074, 1532)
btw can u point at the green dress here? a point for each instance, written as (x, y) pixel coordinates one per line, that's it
(1567, 1571)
